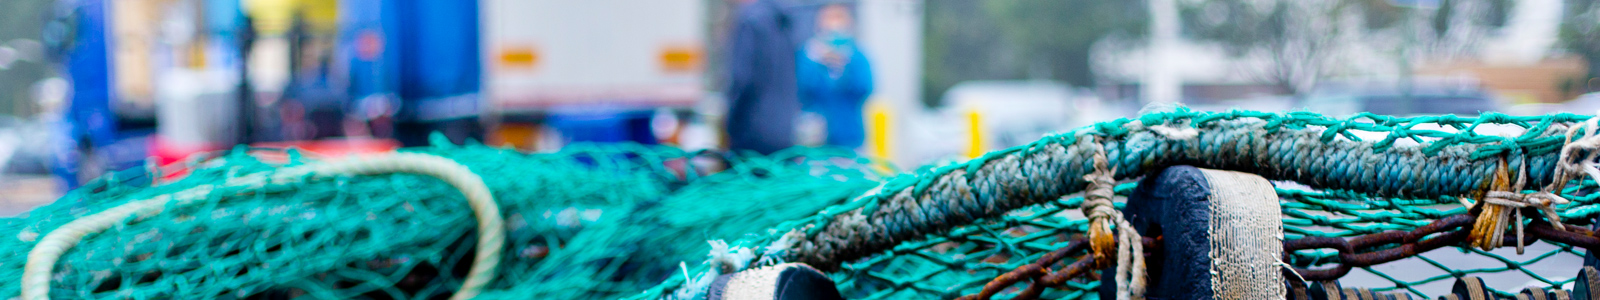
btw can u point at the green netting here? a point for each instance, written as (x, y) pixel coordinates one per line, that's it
(1363, 174)
(588, 222)
(961, 261)
(609, 221)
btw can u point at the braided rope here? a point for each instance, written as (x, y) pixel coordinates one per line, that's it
(491, 226)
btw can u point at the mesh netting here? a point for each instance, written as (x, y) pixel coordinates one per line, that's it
(591, 221)
(1337, 178)
(608, 221)
(961, 261)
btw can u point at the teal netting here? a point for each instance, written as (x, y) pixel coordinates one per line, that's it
(608, 221)
(588, 222)
(944, 232)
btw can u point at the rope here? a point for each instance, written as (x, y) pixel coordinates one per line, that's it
(491, 226)
(1488, 233)
(1102, 214)
(1577, 157)
(1130, 262)
(1580, 155)
(1097, 203)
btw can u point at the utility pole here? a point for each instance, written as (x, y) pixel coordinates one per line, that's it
(1161, 84)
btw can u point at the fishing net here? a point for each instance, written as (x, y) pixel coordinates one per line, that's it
(621, 220)
(588, 222)
(948, 231)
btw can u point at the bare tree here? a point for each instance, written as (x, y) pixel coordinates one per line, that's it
(1289, 44)
(1458, 27)
(1580, 32)
(1294, 44)
(1299, 52)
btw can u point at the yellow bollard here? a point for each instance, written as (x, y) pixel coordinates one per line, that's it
(878, 129)
(975, 128)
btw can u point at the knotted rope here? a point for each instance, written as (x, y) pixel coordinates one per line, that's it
(1577, 157)
(1572, 165)
(1102, 215)
(1506, 200)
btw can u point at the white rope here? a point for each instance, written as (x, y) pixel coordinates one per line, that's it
(1176, 133)
(491, 226)
(1179, 132)
(1571, 163)
(1130, 261)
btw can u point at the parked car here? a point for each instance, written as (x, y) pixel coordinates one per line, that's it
(1587, 104)
(1388, 97)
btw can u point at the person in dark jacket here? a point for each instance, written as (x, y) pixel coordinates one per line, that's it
(762, 94)
(835, 78)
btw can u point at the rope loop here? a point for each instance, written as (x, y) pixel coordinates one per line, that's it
(41, 260)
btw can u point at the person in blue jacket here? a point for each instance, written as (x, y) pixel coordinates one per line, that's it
(834, 77)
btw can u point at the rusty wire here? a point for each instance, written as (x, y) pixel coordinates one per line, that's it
(1042, 277)
(1388, 246)
(1354, 252)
